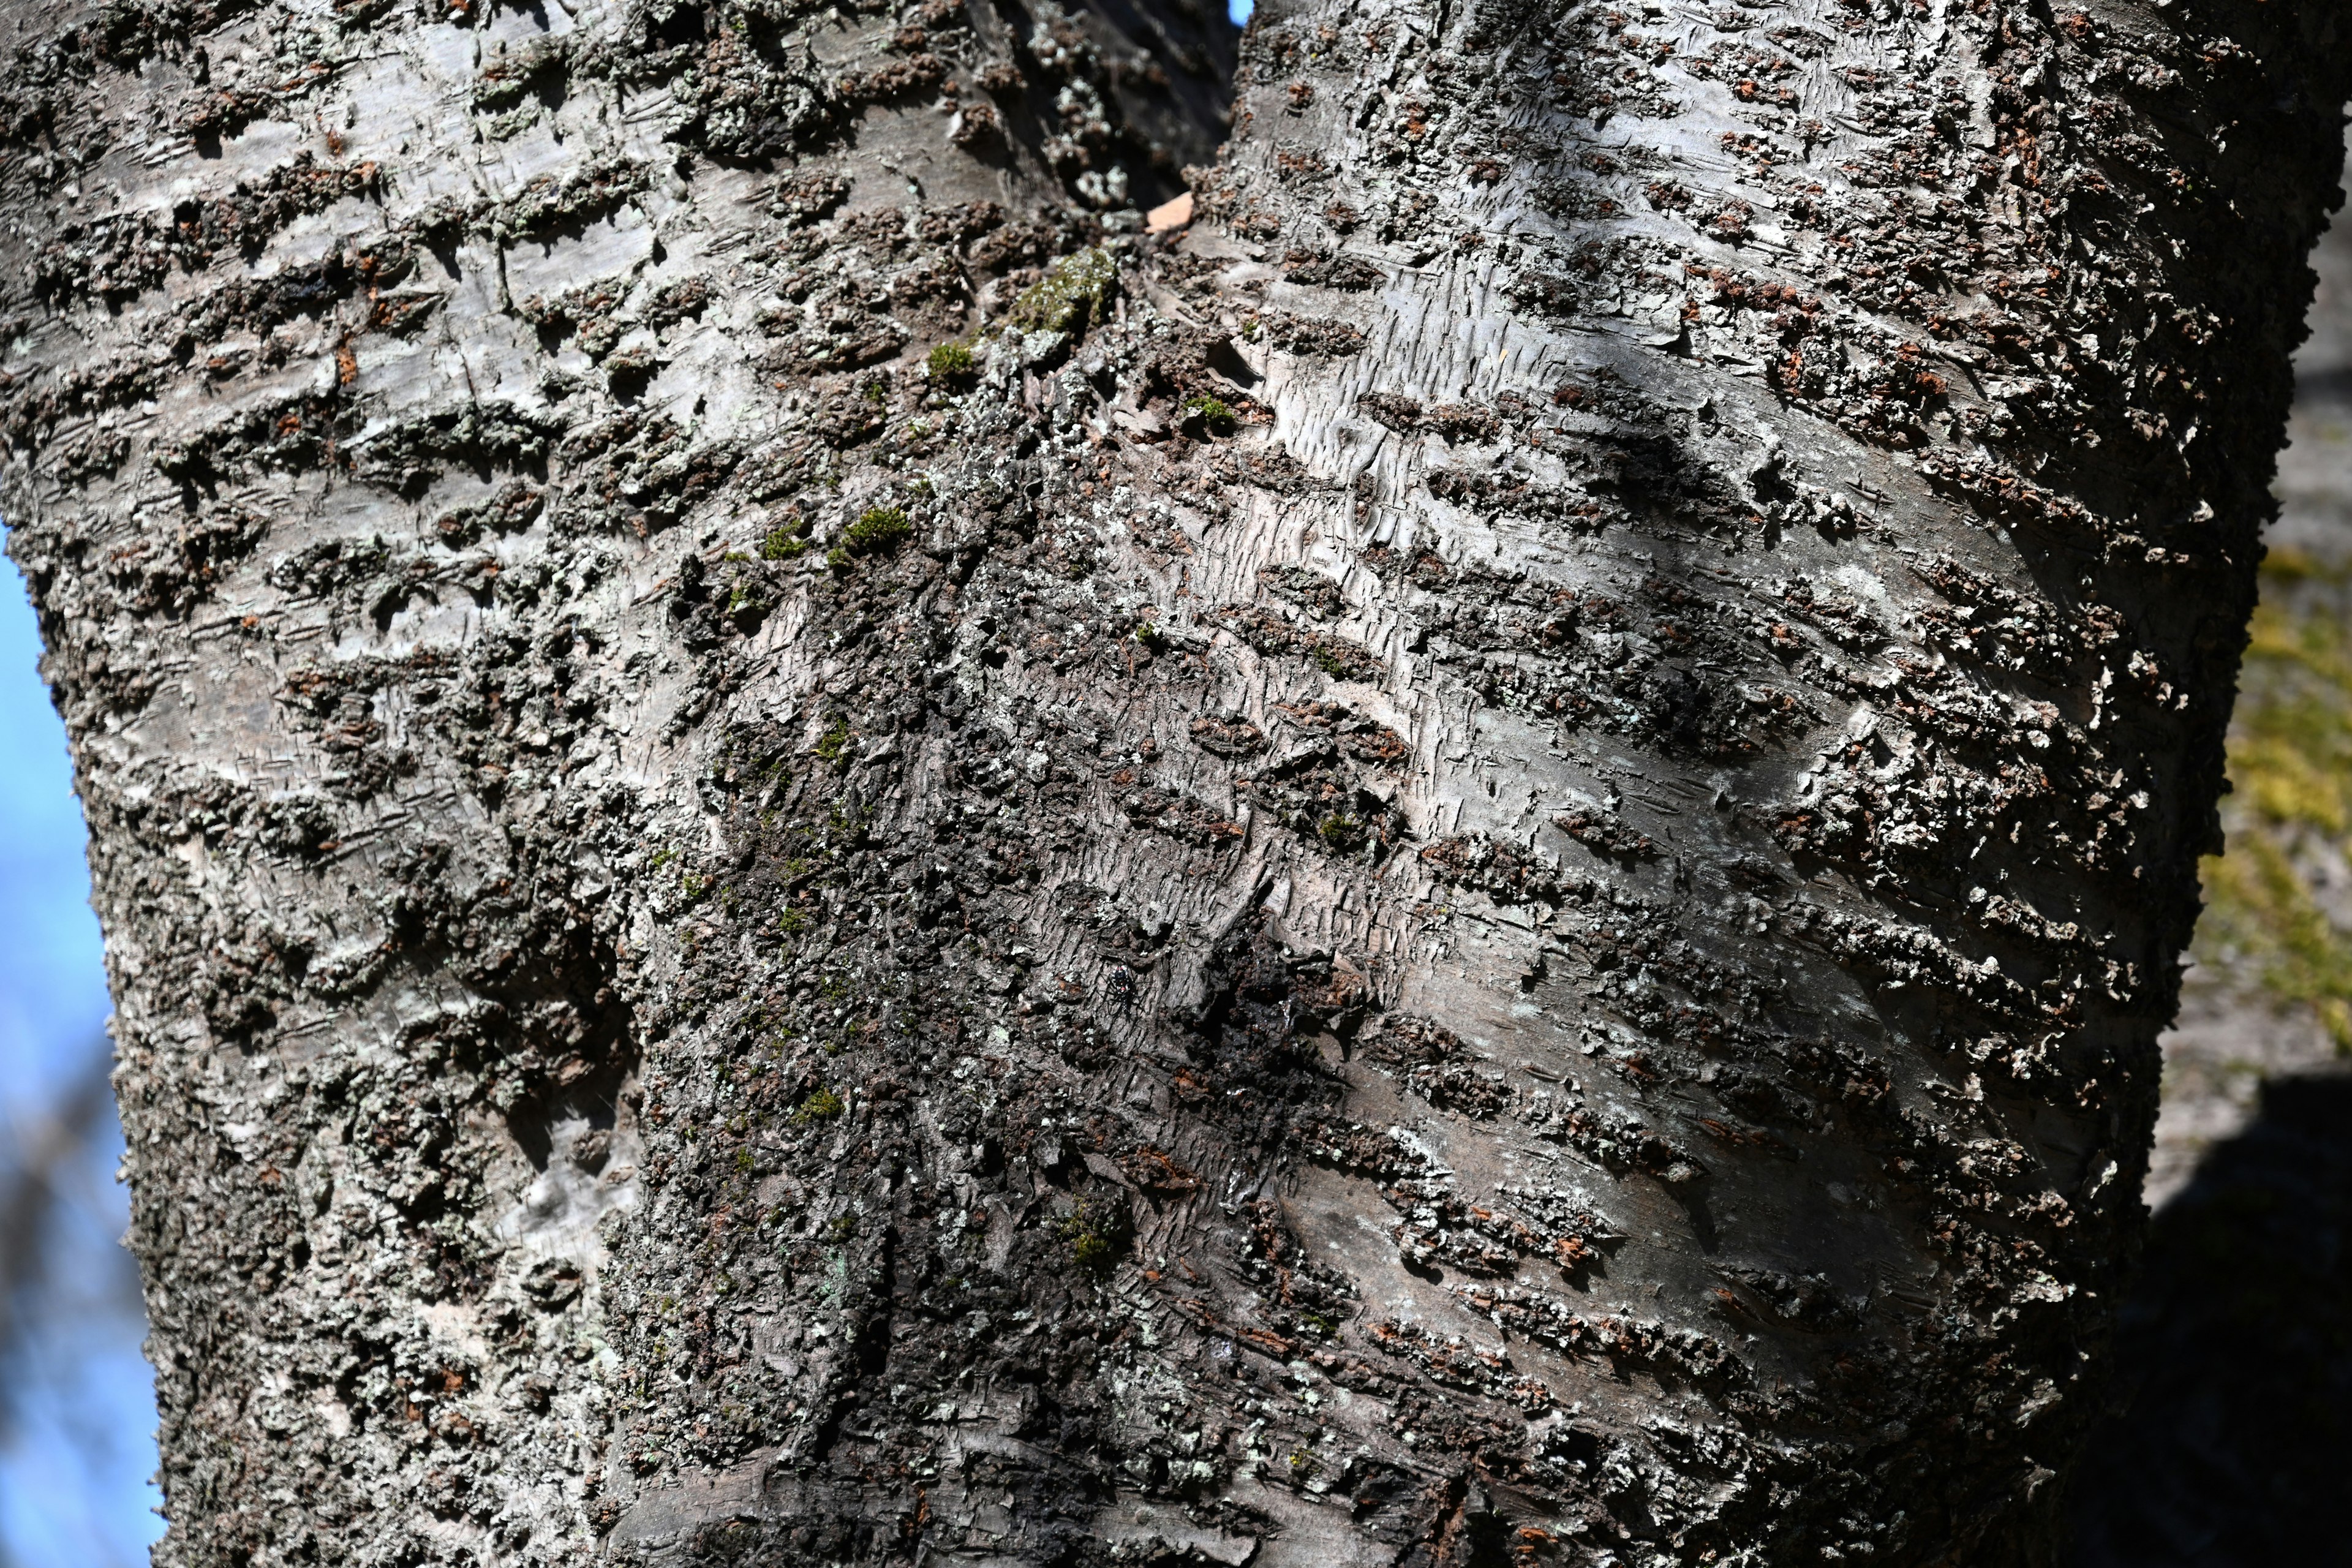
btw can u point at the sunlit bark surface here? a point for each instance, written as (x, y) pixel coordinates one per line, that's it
(813, 856)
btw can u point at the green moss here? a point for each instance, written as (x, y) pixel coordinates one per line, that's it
(1075, 293)
(878, 529)
(822, 1106)
(1097, 1240)
(745, 602)
(834, 745)
(783, 542)
(950, 360)
(1211, 413)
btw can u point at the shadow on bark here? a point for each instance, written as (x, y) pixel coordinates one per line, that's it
(2231, 1438)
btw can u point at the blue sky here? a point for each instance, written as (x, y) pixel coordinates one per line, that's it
(76, 1458)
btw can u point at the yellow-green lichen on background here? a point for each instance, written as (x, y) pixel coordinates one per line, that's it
(2276, 898)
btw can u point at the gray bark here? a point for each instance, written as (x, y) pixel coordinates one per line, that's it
(1475, 867)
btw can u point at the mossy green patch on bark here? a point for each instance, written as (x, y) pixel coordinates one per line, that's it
(949, 360)
(878, 529)
(1075, 293)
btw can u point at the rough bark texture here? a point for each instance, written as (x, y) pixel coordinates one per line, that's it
(2230, 1409)
(2267, 994)
(810, 859)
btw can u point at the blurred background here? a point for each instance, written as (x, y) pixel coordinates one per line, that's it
(76, 1403)
(2230, 1441)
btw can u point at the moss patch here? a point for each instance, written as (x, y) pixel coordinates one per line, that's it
(834, 745)
(1210, 414)
(1075, 293)
(822, 1106)
(878, 529)
(1098, 1238)
(950, 360)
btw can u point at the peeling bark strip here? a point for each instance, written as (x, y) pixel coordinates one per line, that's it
(812, 857)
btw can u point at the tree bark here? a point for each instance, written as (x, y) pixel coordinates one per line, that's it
(811, 855)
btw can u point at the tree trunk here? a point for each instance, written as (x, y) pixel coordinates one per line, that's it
(812, 857)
